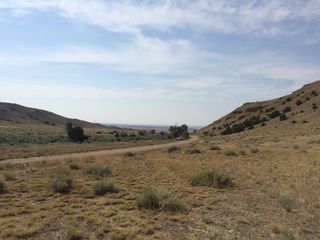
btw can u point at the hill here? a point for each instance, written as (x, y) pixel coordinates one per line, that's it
(298, 112)
(14, 114)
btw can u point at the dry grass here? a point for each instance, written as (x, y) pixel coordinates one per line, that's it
(20, 141)
(251, 209)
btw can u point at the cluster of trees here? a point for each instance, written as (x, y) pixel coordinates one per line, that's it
(248, 123)
(75, 133)
(251, 122)
(179, 131)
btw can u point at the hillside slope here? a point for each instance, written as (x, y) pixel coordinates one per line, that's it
(16, 114)
(297, 112)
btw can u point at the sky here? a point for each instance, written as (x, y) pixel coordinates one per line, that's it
(155, 61)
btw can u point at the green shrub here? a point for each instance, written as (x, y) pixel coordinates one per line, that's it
(193, 151)
(74, 166)
(286, 109)
(254, 150)
(102, 187)
(10, 175)
(74, 234)
(2, 187)
(75, 133)
(283, 117)
(129, 154)
(215, 148)
(149, 200)
(314, 106)
(288, 203)
(172, 149)
(173, 204)
(231, 154)
(274, 114)
(288, 234)
(98, 170)
(211, 178)
(299, 102)
(155, 198)
(62, 182)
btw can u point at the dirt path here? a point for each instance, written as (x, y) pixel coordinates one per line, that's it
(98, 153)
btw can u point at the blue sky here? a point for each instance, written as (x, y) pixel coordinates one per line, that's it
(155, 62)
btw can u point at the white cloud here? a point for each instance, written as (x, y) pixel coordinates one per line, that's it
(266, 17)
(11, 91)
(141, 55)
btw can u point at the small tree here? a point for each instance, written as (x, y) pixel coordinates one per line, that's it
(75, 133)
(179, 131)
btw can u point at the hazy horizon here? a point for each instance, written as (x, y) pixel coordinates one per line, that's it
(155, 62)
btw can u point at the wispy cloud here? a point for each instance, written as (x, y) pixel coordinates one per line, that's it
(267, 18)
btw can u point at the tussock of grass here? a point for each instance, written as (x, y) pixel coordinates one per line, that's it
(10, 175)
(193, 151)
(74, 166)
(288, 234)
(98, 170)
(211, 178)
(130, 154)
(231, 154)
(155, 198)
(2, 187)
(288, 203)
(74, 234)
(254, 150)
(62, 182)
(172, 149)
(102, 187)
(215, 148)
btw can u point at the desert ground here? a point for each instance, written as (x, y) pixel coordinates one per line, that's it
(23, 141)
(273, 192)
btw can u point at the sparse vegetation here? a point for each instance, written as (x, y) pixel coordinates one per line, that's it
(193, 151)
(283, 117)
(314, 106)
(212, 178)
(61, 182)
(102, 187)
(74, 234)
(157, 198)
(247, 124)
(298, 102)
(179, 131)
(215, 148)
(231, 153)
(10, 175)
(254, 150)
(2, 187)
(286, 109)
(274, 114)
(75, 133)
(172, 149)
(74, 166)
(288, 203)
(129, 154)
(98, 170)
(288, 234)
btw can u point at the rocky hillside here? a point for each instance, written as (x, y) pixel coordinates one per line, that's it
(298, 110)
(16, 114)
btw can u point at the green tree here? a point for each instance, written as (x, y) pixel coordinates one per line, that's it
(75, 133)
(179, 131)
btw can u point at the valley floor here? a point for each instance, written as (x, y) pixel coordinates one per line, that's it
(275, 193)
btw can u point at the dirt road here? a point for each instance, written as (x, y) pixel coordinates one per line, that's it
(97, 153)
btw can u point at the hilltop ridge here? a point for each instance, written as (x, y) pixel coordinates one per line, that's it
(298, 111)
(15, 114)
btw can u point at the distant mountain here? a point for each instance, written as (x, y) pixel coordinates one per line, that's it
(16, 114)
(299, 110)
